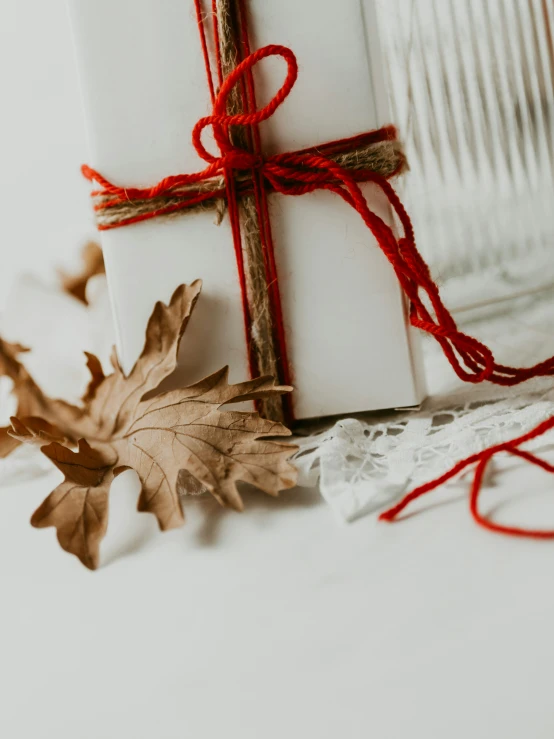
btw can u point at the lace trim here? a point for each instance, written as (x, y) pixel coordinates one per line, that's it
(364, 465)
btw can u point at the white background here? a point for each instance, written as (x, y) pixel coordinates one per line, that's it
(278, 623)
(45, 210)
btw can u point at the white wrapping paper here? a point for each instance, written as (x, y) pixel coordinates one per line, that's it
(144, 88)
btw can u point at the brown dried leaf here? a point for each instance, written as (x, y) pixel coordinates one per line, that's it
(30, 399)
(218, 448)
(97, 376)
(7, 443)
(177, 438)
(116, 397)
(93, 264)
(54, 419)
(35, 430)
(78, 508)
(26, 390)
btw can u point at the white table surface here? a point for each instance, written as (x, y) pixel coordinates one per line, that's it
(277, 623)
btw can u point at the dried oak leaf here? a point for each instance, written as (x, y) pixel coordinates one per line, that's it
(31, 401)
(39, 418)
(93, 264)
(118, 429)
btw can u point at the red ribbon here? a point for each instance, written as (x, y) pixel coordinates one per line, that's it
(481, 460)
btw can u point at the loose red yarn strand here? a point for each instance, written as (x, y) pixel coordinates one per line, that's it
(215, 31)
(204, 44)
(481, 460)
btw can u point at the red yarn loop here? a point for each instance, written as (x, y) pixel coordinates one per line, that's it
(481, 460)
(220, 120)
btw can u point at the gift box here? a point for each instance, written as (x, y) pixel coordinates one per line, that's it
(343, 315)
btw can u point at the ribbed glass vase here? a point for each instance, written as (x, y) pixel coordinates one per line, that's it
(472, 91)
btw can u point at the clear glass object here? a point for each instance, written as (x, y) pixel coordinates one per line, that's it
(471, 88)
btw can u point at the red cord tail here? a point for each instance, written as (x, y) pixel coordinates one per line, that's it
(481, 460)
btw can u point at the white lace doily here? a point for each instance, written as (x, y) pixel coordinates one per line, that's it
(364, 464)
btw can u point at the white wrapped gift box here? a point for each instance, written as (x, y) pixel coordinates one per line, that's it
(144, 87)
